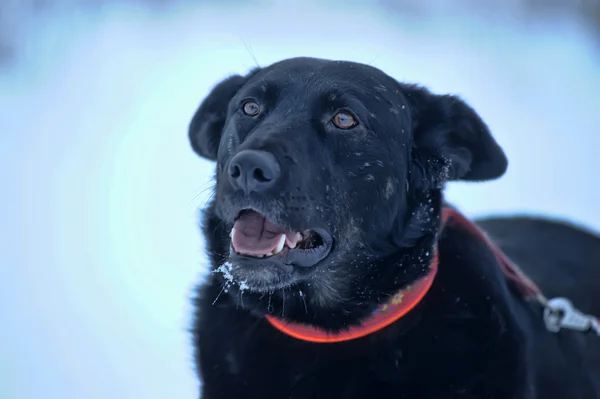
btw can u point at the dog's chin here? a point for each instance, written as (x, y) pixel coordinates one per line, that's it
(259, 275)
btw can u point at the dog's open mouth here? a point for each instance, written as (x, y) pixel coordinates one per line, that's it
(253, 235)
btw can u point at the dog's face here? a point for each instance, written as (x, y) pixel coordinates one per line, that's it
(325, 166)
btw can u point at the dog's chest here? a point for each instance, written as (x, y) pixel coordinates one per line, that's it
(353, 371)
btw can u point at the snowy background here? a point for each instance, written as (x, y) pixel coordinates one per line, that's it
(99, 249)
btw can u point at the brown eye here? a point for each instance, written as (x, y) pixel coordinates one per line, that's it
(344, 120)
(251, 108)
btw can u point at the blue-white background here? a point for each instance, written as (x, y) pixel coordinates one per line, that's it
(99, 248)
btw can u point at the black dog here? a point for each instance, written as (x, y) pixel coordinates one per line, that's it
(328, 213)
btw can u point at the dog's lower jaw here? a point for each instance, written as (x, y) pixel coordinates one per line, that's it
(246, 280)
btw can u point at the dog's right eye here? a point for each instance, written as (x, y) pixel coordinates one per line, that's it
(344, 120)
(250, 108)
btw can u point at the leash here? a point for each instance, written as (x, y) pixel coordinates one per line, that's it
(559, 313)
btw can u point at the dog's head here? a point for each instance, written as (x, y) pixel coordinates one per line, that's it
(326, 168)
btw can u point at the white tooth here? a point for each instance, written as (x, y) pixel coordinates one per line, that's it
(232, 233)
(280, 244)
(297, 239)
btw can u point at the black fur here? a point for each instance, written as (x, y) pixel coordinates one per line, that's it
(377, 189)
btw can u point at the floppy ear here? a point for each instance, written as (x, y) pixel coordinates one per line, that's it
(450, 140)
(207, 124)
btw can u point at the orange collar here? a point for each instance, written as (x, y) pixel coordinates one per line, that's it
(402, 303)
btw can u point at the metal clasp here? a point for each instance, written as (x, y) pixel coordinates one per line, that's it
(560, 313)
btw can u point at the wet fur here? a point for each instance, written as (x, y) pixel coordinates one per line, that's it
(379, 190)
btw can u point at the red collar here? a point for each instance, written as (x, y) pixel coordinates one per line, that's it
(401, 303)
(409, 297)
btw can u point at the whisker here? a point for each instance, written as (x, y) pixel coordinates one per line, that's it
(207, 199)
(269, 306)
(209, 185)
(375, 59)
(249, 49)
(219, 294)
(218, 226)
(303, 300)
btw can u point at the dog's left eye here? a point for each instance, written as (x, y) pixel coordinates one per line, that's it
(250, 108)
(344, 120)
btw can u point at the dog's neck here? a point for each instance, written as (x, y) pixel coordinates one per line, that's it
(399, 305)
(396, 308)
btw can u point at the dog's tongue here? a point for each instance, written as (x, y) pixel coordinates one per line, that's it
(254, 235)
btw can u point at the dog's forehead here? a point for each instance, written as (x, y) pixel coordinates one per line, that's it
(320, 76)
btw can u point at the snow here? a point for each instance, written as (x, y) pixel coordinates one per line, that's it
(99, 243)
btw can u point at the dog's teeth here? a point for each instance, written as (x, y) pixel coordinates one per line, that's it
(280, 245)
(293, 243)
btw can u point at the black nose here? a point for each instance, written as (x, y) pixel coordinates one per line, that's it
(253, 171)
